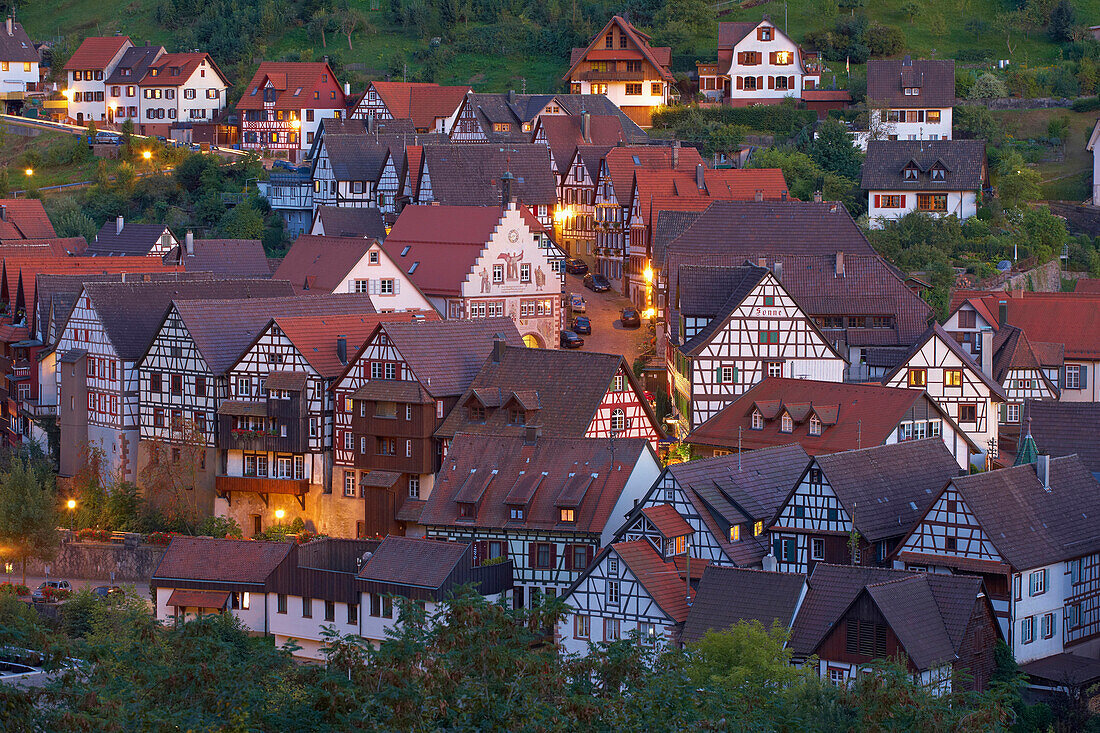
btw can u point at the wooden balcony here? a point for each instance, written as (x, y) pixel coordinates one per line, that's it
(593, 75)
(262, 485)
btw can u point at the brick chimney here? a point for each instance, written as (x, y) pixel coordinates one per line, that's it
(675, 157)
(840, 264)
(817, 197)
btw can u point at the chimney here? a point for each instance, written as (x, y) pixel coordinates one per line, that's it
(700, 177)
(987, 352)
(675, 158)
(342, 349)
(506, 189)
(840, 264)
(907, 61)
(1042, 470)
(782, 195)
(1002, 313)
(347, 88)
(511, 96)
(119, 223)
(3, 213)
(530, 435)
(777, 271)
(586, 127)
(189, 243)
(498, 349)
(758, 195)
(761, 261)
(817, 197)
(10, 31)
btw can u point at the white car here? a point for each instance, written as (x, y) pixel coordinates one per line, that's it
(39, 594)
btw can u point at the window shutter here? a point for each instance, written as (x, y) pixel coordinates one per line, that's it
(759, 34)
(588, 556)
(904, 200)
(1084, 376)
(759, 82)
(740, 83)
(397, 286)
(740, 58)
(1062, 377)
(920, 115)
(877, 198)
(771, 58)
(504, 549)
(568, 557)
(790, 82)
(718, 375)
(553, 555)
(771, 82)
(735, 374)
(533, 554)
(1004, 413)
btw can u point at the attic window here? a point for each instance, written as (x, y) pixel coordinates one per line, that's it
(373, 257)
(757, 420)
(477, 413)
(405, 250)
(786, 424)
(910, 172)
(569, 515)
(413, 268)
(637, 160)
(912, 91)
(815, 426)
(297, 91)
(467, 511)
(154, 72)
(938, 173)
(253, 92)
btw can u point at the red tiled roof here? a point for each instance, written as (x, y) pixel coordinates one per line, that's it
(159, 72)
(658, 57)
(563, 134)
(562, 459)
(24, 219)
(865, 415)
(621, 166)
(1072, 319)
(95, 52)
(678, 190)
(826, 95)
(661, 580)
(420, 102)
(57, 246)
(223, 561)
(315, 336)
(321, 263)
(1085, 285)
(182, 598)
(667, 520)
(288, 77)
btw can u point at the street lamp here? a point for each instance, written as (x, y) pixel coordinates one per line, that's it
(147, 154)
(29, 172)
(279, 514)
(72, 509)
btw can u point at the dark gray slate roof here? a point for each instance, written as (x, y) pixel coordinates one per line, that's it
(17, 46)
(340, 221)
(887, 80)
(714, 292)
(1065, 428)
(669, 226)
(963, 162)
(469, 175)
(136, 60)
(134, 239)
(356, 157)
(225, 258)
(727, 596)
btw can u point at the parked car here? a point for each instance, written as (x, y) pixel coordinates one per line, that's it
(630, 318)
(284, 165)
(106, 137)
(575, 266)
(577, 304)
(39, 594)
(161, 138)
(570, 340)
(596, 282)
(581, 324)
(106, 592)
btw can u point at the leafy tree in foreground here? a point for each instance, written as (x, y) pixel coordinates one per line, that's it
(28, 513)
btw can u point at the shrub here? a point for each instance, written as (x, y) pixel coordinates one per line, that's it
(988, 86)
(53, 595)
(1085, 104)
(16, 589)
(93, 535)
(158, 538)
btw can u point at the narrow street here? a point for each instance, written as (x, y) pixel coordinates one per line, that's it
(608, 335)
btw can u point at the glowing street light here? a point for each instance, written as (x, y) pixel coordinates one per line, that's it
(29, 172)
(296, 124)
(648, 274)
(67, 93)
(279, 514)
(72, 509)
(147, 154)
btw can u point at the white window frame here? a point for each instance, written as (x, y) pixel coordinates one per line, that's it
(614, 591)
(1037, 582)
(815, 543)
(349, 484)
(1027, 630)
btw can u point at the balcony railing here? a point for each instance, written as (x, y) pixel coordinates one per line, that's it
(593, 75)
(36, 410)
(21, 372)
(261, 485)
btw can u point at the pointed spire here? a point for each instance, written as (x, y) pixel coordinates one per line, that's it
(1027, 451)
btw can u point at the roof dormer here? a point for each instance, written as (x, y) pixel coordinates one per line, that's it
(472, 490)
(522, 494)
(939, 171)
(571, 495)
(911, 171)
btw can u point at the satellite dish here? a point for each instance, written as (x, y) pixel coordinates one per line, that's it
(1004, 265)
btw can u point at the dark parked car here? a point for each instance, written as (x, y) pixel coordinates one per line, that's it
(570, 340)
(575, 265)
(106, 137)
(106, 592)
(597, 282)
(630, 318)
(581, 324)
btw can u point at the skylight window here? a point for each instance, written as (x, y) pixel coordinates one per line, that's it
(297, 91)
(637, 160)
(413, 268)
(405, 251)
(253, 92)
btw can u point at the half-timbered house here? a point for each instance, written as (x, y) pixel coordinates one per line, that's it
(758, 64)
(731, 327)
(1029, 531)
(726, 501)
(620, 64)
(913, 100)
(937, 626)
(574, 220)
(511, 117)
(521, 388)
(548, 504)
(429, 106)
(855, 507)
(828, 417)
(323, 264)
(483, 262)
(274, 434)
(102, 340)
(117, 238)
(1020, 371)
(941, 367)
(630, 590)
(183, 380)
(283, 105)
(346, 169)
(389, 401)
(935, 177)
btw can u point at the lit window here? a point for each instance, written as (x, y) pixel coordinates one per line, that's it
(757, 529)
(735, 533)
(815, 426)
(568, 515)
(953, 378)
(918, 377)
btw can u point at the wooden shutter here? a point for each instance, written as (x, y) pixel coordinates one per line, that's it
(771, 58)
(1061, 377)
(904, 200)
(759, 82)
(397, 286)
(759, 34)
(569, 557)
(553, 555)
(1084, 376)
(740, 83)
(877, 199)
(533, 554)
(504, 549)
(740, 58)
(790, 82)
(771, 82)
(589, 555)
(1004, 413)
(718, 375)
(920, 115)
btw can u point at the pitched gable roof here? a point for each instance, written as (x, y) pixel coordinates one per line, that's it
(565, 132)
(341, 221)
(1072, 319)
(469, 174)
(861, 415)
(133, 64)
(730, 34)
(423, 103)
(507, 459)
(882, 489)
(17, 45)
(658, 57)
(22, 219)
(174, 69)
(315, 337)
(413, 561)
(713, 292)
(963, 163)
(95, 52)
(887, 80)
(224, 257)
(936, 331)
(218, 560)
(1012, 350)
(134, 239)
(294, 82)
(322, 263)
(727, 596)
(1032, 526)
(1065, 428)
(659, 578)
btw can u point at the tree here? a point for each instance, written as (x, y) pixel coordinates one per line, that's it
(1063, 19)
(833, 150)
(28, 512)
(170, 477)
(988, 86)
(350, 21)
(1016, 183)
(243, 221)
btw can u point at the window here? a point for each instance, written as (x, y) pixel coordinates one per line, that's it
(542, 555)
(968, 413)
(1012, 413)
(1073, 376)
(817, 548)
(330, 611)
(951, 543)
(525, 272)
(633, 89)
(648, 632)
(613, 593)
(516, 513)
(1047, 625)
(909, 173)
(580, 556)
(865, 638)
(768, 337)
(774, 368)
(383, 408)
(1073, 616)
(617, 383)
(568, 515)
(307, 607)
(1016, 593)
(517, 416)
(726, 375)
(281, 603)
(932, 116)
(757, 529)
(381, 606)
(155, 382)
(765, 34)
(618, 420)
(611, 629)
(889, 201)
(932, 201)
(786, 424)
(176, 381)
(353, 613)
(938, 173)
(244, 386)
(349, 483)
(477, 413)
(953, 377)
(837, 676)
(386, 286)
(918, 377)
(386, 446)
(1037, 583)
(582, 626)
(1027, 630)
(815, 426)
(757, 420)
(735, 533)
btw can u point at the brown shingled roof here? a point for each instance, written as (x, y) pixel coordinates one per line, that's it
(95, 52)
(887, 80)
(217, 560)
(322, 263)
(469, 174)
(727, 596)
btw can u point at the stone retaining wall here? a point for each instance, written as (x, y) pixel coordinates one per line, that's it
(1019, 102)
(97, 560)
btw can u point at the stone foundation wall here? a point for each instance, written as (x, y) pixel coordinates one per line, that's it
(97, 560)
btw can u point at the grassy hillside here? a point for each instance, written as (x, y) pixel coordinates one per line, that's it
(384, 47)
